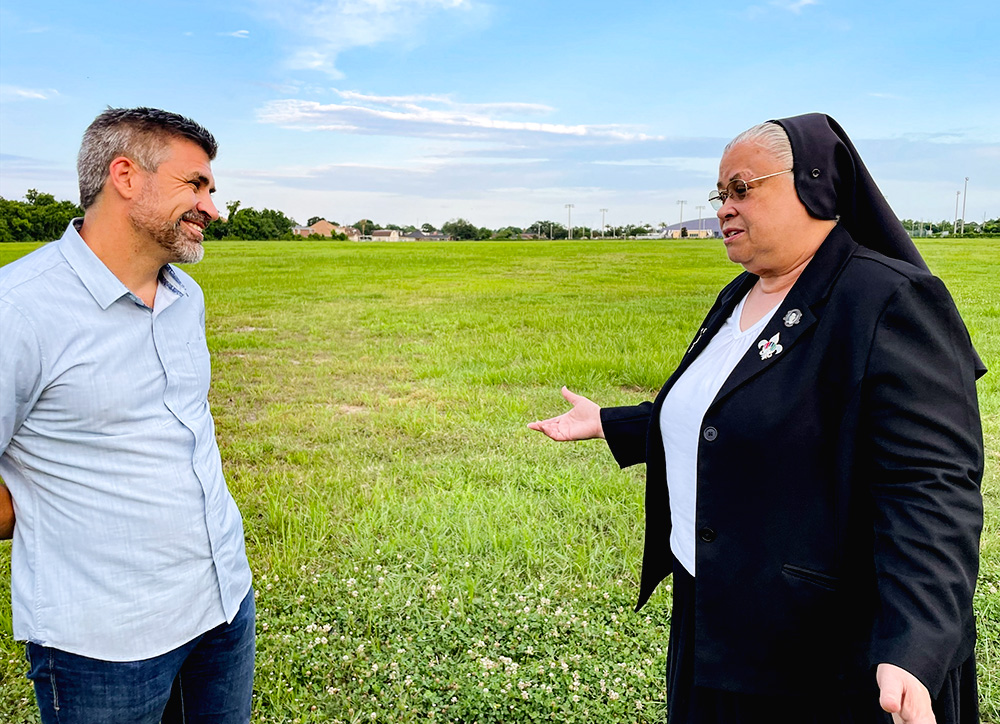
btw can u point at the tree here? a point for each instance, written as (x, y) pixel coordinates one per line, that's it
(38, 218)
(314, 219)
(508, 232)
(366, 226)
(548, 229)
(460, 229)
(428, 228)
(250, 224)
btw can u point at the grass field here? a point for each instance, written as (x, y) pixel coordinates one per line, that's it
(418, 553)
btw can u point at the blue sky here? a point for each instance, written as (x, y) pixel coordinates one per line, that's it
(504, 111)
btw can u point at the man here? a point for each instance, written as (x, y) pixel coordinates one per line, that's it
(130, 581)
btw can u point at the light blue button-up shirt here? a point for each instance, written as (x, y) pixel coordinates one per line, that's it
(127, 542)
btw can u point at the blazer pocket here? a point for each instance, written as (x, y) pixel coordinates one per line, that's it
(821, 580)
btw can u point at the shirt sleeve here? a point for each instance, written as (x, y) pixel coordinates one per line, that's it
(20, 371)
(924, 442)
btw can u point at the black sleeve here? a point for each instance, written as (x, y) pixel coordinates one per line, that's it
(625, 431)
(924, 466)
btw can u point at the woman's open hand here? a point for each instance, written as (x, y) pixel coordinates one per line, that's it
(582, 422)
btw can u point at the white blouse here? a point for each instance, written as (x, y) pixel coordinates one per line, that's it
(681, 419)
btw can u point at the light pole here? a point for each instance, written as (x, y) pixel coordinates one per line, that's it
(682, 218)
(954, 228)
(603, 226)
(569, 212)
(964, 194)
(700, 227)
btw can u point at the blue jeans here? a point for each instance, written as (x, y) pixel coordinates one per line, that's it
(207, 680)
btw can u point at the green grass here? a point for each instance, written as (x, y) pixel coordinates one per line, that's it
(419, 554)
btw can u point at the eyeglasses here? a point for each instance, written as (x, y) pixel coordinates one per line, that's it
(737, 189)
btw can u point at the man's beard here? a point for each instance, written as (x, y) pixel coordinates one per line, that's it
(169, 235)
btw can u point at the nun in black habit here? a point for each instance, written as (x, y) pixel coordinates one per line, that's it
(813, 464)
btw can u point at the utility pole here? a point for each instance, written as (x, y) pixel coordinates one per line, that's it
(700, 209)
(569, 211)
(954, 228)
(682, 218)
(603, 226)
(964, 194)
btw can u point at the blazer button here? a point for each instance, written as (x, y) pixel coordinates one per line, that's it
(707, 535)
(710, 433)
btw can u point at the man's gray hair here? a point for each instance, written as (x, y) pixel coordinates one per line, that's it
(139, 134)
(769, 136)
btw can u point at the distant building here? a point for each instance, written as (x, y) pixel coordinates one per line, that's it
(705, 228)
(350, 232)
(417, 235)
(325, 228)
(321, 228)
(385, 235)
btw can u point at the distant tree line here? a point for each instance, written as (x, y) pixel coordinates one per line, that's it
(39, 217)
(918, 228)
(249, 224)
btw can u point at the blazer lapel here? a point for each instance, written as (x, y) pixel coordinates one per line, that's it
(717, 316)
(798, 312)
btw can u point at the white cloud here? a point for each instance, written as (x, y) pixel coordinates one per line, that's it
(322, 29)
(429, 117)
(237, 34)
(679, 163)
(16, 93)
(413, 102)
(794, 6)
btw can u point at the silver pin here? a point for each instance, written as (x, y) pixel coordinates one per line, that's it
(769, 347)
(793, 317)
(697, 339)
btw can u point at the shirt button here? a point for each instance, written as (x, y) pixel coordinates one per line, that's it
(710, 433)
(707, 535)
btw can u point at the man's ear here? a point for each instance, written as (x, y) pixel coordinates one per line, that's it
(125, 177)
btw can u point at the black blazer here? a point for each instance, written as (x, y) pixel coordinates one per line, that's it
(838, 502)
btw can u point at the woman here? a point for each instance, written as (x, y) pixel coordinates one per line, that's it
(813, 465)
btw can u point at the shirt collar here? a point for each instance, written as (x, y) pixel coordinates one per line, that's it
(102, 284)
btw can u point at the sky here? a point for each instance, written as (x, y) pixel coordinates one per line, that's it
(502, 112)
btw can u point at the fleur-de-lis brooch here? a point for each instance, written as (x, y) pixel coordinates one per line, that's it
(769, 347)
